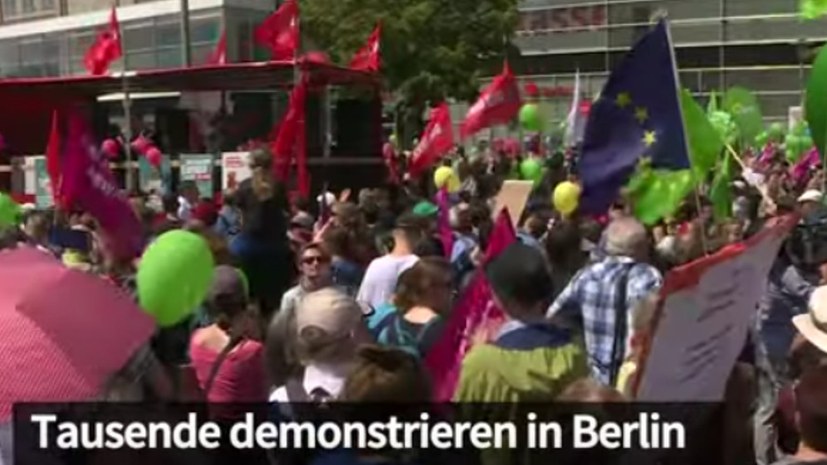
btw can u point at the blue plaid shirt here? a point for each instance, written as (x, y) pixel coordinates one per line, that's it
(589, 302)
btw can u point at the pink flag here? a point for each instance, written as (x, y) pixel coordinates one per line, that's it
(800, 170)
(89, 184)
(444, 221)
(475, 314)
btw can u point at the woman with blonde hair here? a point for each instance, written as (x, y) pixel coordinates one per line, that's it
(261, 247)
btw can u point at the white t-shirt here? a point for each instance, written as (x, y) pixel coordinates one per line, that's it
(379, 282)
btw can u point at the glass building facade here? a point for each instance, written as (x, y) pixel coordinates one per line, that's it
(758, 44)
(35, 41)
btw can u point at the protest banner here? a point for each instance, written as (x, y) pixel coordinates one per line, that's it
(153, 178)
(199, 169)
(513, 196)
(235, 168)
(42, 184)
(700, 328)
(89, 184)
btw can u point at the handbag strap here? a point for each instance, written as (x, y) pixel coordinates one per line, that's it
(232, 344)
(621, 318)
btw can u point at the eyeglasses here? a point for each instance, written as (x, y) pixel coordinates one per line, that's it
(315, 259)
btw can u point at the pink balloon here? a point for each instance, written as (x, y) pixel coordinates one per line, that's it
(111, 148)
(141, 145)
(154, 156)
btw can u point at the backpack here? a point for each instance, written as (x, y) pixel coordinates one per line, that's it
(392, 331)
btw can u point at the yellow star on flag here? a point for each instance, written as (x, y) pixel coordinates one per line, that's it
(641, 114)
(623, 99)
(649, 138)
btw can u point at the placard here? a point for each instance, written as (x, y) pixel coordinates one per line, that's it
(706, 311)
(199, 169)
(513, 195)
(43, 184)
(235, 168)
(155, 179)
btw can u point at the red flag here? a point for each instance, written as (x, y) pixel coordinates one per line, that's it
(106, 49)
(474, 313)
(280, 32)
(498, 104)
(53, 158)
(290, 130)
(368, 58)
(437, 139)
(219, 55)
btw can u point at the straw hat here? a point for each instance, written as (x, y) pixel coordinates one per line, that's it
(813, 325)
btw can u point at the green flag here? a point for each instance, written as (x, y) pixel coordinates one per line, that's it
(815, 107)
(704, 141)
(712, 106)
(658, 193)
(745, 110)
(721, 191)
(813, 9)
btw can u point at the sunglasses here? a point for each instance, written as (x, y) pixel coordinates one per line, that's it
(315, 259)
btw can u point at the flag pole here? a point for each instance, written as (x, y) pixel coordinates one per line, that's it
(127, 112)
(663, 17)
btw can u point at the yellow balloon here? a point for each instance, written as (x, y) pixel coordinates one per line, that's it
(566, 197)
(444, 176)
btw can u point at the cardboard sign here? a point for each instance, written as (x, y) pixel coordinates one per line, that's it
(43, 184)
(513, 196)
(706, 310)
(155, 179)
(235, 168)
(198, 169)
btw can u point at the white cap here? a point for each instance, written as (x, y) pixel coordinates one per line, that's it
(811, 195)
(813, 325)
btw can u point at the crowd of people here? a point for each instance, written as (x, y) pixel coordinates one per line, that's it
(345, 297)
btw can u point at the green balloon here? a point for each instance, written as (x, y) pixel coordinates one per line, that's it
(776, 132)
(761, 139)
(531, 170)
(530, 118)
(9, 211)
(174, 276)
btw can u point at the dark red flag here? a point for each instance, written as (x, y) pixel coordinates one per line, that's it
(290, 130)
(279, 33)
(53, 158)
(368, 57)
(106, 49)
(498, 104)
(219, 55)
(437, 139)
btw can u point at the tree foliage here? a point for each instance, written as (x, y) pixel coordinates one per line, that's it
(431, 49)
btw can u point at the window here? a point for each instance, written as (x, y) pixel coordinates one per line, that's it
(23, 9)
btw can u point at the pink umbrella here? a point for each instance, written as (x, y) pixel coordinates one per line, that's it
(63, 333)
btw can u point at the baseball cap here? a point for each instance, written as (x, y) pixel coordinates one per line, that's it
(330, 310)
(425, 208)
(811, 195)
(813, 325)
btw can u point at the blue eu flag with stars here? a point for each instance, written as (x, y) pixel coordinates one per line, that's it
(637, 116)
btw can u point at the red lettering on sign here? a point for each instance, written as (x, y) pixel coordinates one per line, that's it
(562, 19)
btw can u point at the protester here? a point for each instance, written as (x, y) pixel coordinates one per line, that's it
(327, 335)
(381, 275)
(811, 416)
(600, 298)
(314, 265)
(228, 223)
(422, 301)
(228, 362)
(528, 359)
(346, 270)
(810, 202)
(262, 247)
(187, 200)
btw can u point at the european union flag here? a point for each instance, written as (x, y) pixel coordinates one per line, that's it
(638, 115)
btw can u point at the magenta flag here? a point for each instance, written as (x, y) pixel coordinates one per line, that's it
(444, 221)
(800, 170)
(89, 184)
(475, 316)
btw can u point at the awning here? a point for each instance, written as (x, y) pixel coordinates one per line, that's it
(229, 77)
